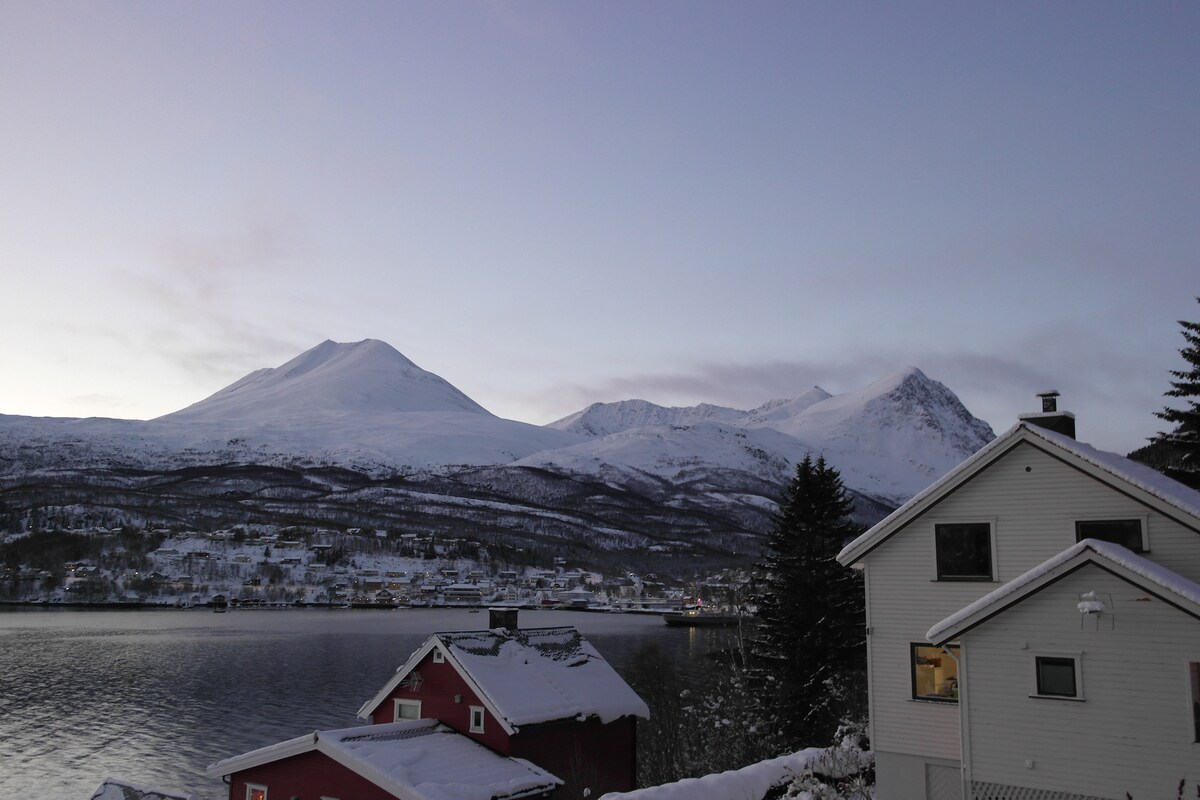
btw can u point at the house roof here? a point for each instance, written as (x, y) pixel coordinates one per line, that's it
(528, 675)
(1138, 481)
(1151, 577)
(114, 789)
(414, 760)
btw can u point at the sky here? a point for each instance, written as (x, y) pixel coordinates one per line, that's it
(553, 204)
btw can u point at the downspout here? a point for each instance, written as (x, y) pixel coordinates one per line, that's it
(964, 742)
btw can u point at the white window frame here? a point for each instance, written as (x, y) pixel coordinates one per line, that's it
(405, 701)
(990, 522)
(438, 656)
(250, 787)
(1143, 519)
(477, 713)
(1076, 657)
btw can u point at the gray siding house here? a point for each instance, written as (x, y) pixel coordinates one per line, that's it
(1033, 627)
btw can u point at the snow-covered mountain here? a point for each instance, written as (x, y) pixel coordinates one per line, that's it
(408, 449)
(889, 440)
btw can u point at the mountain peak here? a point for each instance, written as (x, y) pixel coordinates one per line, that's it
(366, 377)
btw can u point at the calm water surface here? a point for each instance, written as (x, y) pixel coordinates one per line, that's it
(155, 696)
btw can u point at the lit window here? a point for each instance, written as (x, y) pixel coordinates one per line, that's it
(255, 792)
(964, 551)
(934, 673)
(476, 719)
(1125, 532)
(408, 709)
(1057, 676)
(1194, 675)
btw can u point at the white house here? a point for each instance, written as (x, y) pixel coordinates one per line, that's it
(1033, 626)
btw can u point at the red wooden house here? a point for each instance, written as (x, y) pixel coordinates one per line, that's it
(541, 700)
(540, 694)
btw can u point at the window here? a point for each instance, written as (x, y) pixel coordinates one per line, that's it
(476, 719)
(935, 673)
(438, 656)
(1125, 532)
(1194, 677)
(964, 551)
(255, 792)
(408, 709)
(1057, 676)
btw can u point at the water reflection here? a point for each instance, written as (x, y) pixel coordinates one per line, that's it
(155, 696)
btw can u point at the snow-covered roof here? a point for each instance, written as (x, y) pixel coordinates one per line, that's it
(529, 675)
(1142, 483)
(113, 789)
(1148, 575)
(414, 760)
(750, 782)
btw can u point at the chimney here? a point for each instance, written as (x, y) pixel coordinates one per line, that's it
(502, 618)
(1050, 417)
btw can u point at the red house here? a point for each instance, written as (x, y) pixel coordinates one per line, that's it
(540, 707)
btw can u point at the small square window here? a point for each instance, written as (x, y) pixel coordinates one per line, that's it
(1125, 532)
(438, 656)
(408, 709)
(476, 719)
(255, 792)
(964, 551)
(1056, 677)
(934, 673)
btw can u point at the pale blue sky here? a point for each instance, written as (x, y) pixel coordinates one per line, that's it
(551, 204)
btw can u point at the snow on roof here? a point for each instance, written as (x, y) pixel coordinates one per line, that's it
(750, 782)
(113, 789)
(1107, 466)
(1129, 566)
(536, 675)
(419, 759)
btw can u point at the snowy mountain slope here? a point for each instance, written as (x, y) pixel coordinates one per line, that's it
(889, 440)
(368, 377)
(614, 475)
(361, 403)
(602, 419)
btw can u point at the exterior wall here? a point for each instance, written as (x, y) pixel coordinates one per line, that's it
(917, 777)
(440, 685)
(588, 756)
(308, 776)
(1132, 732)
(1033, 500)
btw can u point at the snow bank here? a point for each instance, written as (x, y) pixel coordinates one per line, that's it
(747, 783)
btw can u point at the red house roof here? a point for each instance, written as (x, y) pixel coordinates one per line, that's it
(413, 760)
(527, 676)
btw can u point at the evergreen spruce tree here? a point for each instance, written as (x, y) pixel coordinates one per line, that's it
(811, 645)
(1182, 445)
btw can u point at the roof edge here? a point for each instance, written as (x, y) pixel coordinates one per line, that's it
(1120, 561)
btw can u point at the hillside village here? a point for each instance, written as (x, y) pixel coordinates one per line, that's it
(323, 567)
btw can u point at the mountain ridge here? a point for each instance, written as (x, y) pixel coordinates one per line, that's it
(697, 476)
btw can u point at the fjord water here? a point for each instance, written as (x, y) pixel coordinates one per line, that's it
(155, 696)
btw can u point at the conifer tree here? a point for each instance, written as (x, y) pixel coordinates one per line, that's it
(1183, 443)
(810, 646)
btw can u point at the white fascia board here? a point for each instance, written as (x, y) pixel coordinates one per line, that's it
(415, 659)
(1149, 576)
(264, 755)
(931, 495)
(401, 673)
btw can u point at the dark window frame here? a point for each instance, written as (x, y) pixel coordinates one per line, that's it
(944, 570)
(1141, 546)
(1194, 680)
(1056, 661)
(914, 665)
